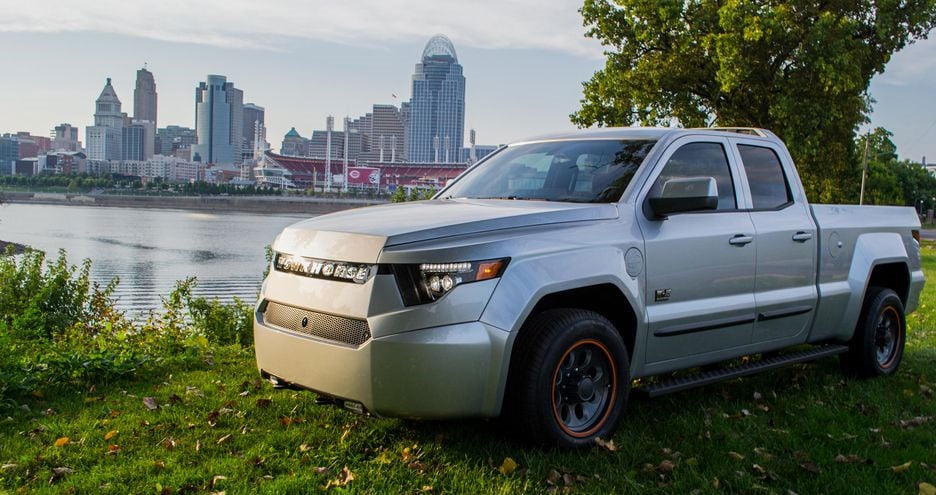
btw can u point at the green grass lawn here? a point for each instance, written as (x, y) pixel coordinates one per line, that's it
(217, 428)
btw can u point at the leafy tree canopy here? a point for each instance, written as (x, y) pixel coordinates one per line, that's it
(800, 68)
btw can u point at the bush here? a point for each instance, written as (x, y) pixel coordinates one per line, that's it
(57, 328)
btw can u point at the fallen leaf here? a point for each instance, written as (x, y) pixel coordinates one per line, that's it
(508, 466)
(552, 477)
(911, 423)
(901, 468)
(59, 473)
(197, 445)
(810, 466)
(244, 393)
(304, 447)
(61, 442)
(174, 399)
(735, 456)
(666, 466)
(763, 454)
(223, 439)
(159, 465)
(608, 445)
(716, 483)
(110, 434)
(150, 403)
(113, 449)
(848, 459)
(320, 470)
(216, 479)
(8, 467)
(927, 489)
(264, 403)
(758, 396)
(345, 476)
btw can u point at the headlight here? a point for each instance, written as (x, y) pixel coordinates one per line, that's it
(424, 283)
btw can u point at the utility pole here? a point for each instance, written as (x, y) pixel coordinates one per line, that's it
(864, 170)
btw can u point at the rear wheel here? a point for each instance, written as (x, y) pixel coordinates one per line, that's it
(570, 378)
(877, 346)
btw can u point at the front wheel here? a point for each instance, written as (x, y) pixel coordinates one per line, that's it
(877, 346)
(570, 379)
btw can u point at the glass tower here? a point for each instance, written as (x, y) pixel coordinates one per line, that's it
(436, 120)
(219, 115)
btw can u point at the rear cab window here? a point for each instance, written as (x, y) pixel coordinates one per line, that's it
(769, 186)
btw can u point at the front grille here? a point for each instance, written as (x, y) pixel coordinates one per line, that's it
(321, 325)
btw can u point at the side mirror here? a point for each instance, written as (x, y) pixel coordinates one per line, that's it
(684, 194)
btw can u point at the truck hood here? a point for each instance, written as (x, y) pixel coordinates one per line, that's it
(359, 235)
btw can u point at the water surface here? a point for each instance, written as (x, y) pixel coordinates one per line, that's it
(150, 249)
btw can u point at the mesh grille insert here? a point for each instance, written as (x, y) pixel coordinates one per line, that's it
(329, 327)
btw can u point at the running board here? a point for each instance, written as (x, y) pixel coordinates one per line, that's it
(702, 378)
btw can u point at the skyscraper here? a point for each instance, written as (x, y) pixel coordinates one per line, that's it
(252, 129)
(144, 97)
(219, 118)
(104, 137)
(436, 114)
(144, 111)
(65, 138)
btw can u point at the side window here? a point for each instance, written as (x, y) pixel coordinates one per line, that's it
(701, 160)
(769, 186)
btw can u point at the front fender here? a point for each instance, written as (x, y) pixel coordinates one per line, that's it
(528, 280)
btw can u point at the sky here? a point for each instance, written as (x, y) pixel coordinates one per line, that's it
(302, 60)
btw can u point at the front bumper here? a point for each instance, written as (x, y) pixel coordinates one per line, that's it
(441, 372)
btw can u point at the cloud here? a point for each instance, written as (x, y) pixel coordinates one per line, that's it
(524, 24)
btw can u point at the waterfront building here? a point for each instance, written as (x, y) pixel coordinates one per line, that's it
(9, 153)
(144, 97)
(104, 138)
(382, 134)
(31, 146)
(253, 131)
(65, 138)
(174, 139)
(219, 118)
(144, 109)
(291, 172)
(436, 113)
(62, 162)
(318, 144)
(138, 140)
(294, 144)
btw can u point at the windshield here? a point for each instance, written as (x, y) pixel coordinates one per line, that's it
(584, 171)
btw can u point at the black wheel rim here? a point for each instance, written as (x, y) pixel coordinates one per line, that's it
(583, 388)
(886, 337)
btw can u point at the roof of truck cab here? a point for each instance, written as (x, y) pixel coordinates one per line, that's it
(652, 133)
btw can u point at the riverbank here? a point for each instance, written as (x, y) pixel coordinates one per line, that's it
(17, 248)
(248, 204)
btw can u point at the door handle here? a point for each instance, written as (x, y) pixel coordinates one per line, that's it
(740, 240)
(802, 236)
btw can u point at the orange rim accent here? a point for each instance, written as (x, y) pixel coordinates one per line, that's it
(897, 336)
(610, 405)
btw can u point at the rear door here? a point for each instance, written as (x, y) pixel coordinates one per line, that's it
(699, 265)
(785, 284)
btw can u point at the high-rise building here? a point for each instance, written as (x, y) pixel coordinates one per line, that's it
(104, 137)
(437, 106)
(294, 144)
(252, 129)
(144, 97)
(219, 118)
(382, 133)
(65, 138)
(144, 109)
(9, 153)
(173, 139)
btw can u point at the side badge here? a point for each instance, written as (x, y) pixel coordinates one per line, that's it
(660, 295)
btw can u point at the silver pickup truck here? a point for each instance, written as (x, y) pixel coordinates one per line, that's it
(546, 279)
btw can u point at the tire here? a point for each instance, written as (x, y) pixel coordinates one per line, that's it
(877, 346)
(570, 379)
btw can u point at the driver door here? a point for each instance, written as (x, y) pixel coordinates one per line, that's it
(700, 265)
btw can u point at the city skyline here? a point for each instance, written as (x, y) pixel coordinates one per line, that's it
(519, 87)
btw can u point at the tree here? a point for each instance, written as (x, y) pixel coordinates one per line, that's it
(799, 68)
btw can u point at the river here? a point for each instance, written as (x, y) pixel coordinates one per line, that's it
(149, 249)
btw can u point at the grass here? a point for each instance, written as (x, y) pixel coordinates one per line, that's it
(218, 428)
